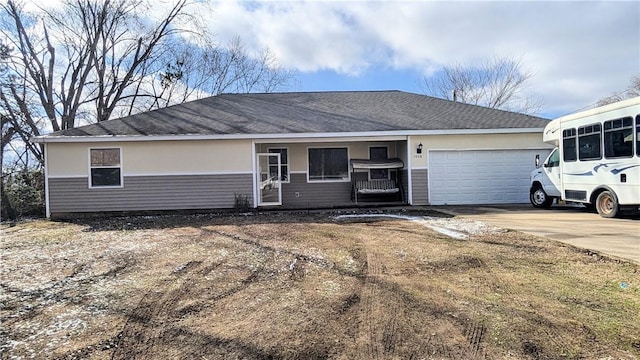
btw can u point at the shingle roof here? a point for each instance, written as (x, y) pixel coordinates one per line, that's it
(308, 112)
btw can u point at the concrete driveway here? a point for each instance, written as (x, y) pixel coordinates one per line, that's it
(568, 224)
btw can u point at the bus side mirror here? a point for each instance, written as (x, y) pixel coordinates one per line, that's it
(537, 160)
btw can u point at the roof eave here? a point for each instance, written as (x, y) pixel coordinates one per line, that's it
(127, 138)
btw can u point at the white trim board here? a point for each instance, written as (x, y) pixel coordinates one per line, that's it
(203, 173)
(47, 207)
(356, 136)
(162, 174)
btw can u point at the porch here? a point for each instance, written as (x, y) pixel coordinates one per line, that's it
(312, 174)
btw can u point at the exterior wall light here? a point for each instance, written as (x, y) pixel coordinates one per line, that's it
(419, 149)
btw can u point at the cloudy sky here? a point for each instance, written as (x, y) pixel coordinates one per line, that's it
(578, 51)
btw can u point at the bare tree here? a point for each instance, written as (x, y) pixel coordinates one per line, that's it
(11, 121)
(101, 57)
(209, 69)
(83, 58)
(8, 130)
(91, 60)
(631, 91)
(499, 83)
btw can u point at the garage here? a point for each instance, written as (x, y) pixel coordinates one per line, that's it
(480, 176)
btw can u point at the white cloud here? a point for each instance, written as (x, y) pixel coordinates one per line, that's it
(578, 51)
(304, 36)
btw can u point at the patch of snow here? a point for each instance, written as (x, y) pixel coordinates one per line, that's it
(449, 232)
(350, 264)
(393, 216)
(457, 228)
(330, 286)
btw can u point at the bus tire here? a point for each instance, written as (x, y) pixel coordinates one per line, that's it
(539, 198)
(607, 204)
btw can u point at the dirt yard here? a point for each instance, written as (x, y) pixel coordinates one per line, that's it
(307, 286)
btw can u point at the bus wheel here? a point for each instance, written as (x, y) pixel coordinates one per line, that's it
(607, 204)
(539, 198)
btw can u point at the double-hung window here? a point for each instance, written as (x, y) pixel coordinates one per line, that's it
(328, 164)
(106, 168)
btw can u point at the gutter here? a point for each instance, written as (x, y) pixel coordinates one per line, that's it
(401, 134)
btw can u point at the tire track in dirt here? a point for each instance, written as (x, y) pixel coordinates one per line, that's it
(150, 324)
(475, 332)
(146, 329)
(369, 343)
(147, 321)
(378, 330)
(386, 330)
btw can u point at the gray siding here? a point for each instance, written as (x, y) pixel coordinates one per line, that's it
(141, 193)
(405, 184)
(314, 194)
(420, 187)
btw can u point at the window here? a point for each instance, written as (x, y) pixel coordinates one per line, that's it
(618, 138)
(378, 153)
(569, 145)
(638, 135)
(589, 138)
(328, 164)
(105, 168)
(284, 163)
(554, 159)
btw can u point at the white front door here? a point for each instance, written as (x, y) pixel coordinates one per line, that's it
(269, 185)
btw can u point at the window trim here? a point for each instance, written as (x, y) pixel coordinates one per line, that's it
(584, 134)
(554, 152)
(91, 167)
(348, 179)
(388, 172)
(612, 129)
(573, 135)
(288, 164)
(636, 131)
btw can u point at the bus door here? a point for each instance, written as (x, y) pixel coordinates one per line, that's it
(551, 169)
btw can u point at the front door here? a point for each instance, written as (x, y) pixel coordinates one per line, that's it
(269, 189)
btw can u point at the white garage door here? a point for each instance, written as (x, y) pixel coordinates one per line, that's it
(481, 176)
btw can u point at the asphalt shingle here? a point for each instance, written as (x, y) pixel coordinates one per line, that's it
(308, 112)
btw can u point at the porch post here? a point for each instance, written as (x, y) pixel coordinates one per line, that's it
(409, 168)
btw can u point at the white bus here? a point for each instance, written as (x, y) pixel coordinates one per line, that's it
(596, 160)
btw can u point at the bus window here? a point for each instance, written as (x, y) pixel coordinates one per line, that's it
(638, 135)
(554, 159)
(589, 138)
(569, 145)
(618, 138)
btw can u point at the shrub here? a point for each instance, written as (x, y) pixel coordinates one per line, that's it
(241, 202)
(23, 193)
